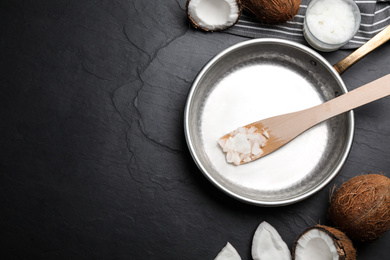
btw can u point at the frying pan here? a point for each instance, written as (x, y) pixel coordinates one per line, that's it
(257, 79)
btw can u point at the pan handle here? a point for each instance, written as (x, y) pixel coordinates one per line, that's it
(365, 49)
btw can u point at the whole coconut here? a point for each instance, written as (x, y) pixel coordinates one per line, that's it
(272, 11)
(361, 207)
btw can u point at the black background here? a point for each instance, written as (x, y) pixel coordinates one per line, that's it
(93, 160)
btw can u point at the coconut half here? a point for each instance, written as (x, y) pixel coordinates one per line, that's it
(228, 253)
(213, 15)
(267, 244)
(323, 243)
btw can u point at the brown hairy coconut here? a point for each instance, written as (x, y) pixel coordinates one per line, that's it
(323, 242)
(273, 11)
(361, 207)
(213, 15)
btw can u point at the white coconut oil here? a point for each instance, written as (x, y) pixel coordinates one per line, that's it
(250, 94)
(330, 24)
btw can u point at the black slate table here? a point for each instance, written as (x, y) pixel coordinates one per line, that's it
(94, 164)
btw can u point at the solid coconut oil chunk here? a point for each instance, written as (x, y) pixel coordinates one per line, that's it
(214, 14)
(243, 145)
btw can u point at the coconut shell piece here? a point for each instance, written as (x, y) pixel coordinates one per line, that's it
(228, 252)
(272, 11)
(337, 241)
(361, 207)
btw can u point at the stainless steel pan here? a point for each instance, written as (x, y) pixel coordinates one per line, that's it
(261, 78)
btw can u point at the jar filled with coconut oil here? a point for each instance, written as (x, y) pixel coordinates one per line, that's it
(330, 24)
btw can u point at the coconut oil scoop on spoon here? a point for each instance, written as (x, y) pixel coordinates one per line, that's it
(255, 140)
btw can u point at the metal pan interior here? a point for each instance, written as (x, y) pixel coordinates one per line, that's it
(257, 79)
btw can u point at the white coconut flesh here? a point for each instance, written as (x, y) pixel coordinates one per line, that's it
(267, 244)
(228, 253)
(316, 244)
(214, 14)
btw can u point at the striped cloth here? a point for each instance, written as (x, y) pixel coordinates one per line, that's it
(375, 17)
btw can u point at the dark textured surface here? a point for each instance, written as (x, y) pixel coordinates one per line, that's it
(94, 162)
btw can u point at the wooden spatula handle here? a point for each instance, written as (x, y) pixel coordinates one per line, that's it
(369, 46)
(363, 95)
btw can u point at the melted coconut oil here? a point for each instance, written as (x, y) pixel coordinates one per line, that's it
(252, 93)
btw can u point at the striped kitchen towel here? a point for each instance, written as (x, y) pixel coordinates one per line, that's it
(375, 16)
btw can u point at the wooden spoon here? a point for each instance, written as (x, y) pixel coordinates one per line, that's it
(283, 128)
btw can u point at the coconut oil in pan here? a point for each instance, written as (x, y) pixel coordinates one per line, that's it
(251, 93)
